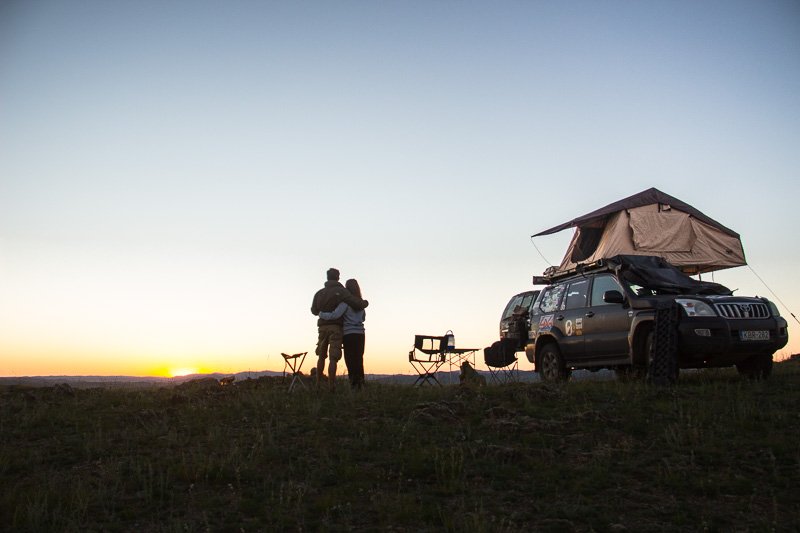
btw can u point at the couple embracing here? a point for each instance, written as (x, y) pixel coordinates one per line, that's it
(340, 309)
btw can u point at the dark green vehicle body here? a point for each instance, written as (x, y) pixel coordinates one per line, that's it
(602, 317)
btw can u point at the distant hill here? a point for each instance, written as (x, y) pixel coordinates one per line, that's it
(85, 382)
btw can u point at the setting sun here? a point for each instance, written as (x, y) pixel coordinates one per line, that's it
(177, 372)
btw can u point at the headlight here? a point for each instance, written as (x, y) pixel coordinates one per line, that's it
(696, 307)
(774, 309)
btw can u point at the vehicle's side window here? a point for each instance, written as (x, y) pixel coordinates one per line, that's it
(576, 294)
(551, 298)
(600, 286)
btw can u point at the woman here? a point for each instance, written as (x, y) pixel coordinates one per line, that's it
(353, 334)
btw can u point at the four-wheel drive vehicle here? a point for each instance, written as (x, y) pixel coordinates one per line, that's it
(514, 328)
(602, 316)
(514, 323)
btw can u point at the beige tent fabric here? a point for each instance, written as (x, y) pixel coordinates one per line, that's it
(661, 230)
(681, 239)
(616, 240)
(713, 250)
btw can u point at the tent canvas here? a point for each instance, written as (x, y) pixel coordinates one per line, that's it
(652, 223)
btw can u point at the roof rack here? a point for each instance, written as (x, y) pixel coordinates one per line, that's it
(551, 275)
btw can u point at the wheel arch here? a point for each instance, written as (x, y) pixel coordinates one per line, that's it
(641, 330)
(541, 342)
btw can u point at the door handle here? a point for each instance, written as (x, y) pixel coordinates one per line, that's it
(560, 317)
(590, 314)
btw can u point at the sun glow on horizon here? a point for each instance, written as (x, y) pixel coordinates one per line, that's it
(178, 372)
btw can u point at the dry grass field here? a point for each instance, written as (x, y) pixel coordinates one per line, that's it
(714, 453)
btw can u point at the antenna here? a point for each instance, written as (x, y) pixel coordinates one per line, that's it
(548, 263)
(773, 293)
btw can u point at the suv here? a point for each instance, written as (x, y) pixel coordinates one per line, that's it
(514, 320)
(603, 316)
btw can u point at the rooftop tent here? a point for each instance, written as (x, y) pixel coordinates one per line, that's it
(652, 223)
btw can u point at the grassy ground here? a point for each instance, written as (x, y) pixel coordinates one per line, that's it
(715, 453)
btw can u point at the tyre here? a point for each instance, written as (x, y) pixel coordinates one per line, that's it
(551, 364)
(757, 367)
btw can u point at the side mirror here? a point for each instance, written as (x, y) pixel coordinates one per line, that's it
(613, 297)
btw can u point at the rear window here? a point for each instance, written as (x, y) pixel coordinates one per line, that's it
(515, 301)
(521, 300)
(528, 300)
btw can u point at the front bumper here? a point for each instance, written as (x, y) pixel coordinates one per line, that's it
(716, 341)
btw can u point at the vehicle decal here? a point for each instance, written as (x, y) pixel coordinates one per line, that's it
(578, 326)
(568, 328)
(546, 323)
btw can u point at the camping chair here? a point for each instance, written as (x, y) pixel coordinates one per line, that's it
(294, 362)
(427, 357)
(501, 358)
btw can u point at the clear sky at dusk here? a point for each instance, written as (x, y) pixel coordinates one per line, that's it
(176, 177)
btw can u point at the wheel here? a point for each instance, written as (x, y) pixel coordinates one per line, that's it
(551, 364)
(756, 367)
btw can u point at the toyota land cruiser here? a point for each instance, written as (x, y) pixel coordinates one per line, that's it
(602, 316)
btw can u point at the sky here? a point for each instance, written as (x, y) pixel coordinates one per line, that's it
(176, 177)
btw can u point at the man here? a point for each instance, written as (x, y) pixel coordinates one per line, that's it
(329, 343)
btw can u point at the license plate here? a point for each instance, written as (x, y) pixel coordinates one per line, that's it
(754, 335)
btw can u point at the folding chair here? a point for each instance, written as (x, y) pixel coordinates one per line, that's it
(427, 357)
(294, 362)
(501, 359)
